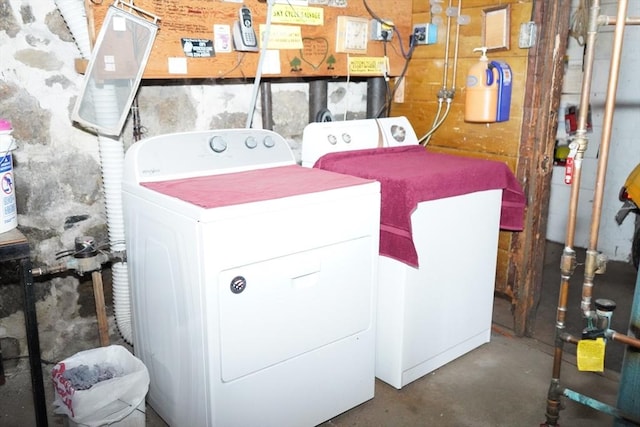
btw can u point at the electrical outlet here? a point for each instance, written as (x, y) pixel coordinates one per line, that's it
(381, 31)
(424, 34)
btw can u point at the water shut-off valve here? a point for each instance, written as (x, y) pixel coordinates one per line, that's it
(86, 257)
(604, 313)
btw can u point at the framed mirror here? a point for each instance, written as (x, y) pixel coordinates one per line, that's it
(496, 28)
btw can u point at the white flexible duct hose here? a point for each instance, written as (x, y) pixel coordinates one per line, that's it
(112, 160)
(75, 16)
(112, 164)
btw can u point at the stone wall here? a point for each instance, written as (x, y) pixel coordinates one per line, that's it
(57, 164)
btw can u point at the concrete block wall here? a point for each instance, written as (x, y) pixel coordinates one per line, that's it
(613, 240)
(57, 165)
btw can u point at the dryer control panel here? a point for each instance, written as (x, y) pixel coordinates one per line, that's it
(203, 153)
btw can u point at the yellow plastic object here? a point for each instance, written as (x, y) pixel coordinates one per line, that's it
(632, 184)
(481, 93)
(590, 355)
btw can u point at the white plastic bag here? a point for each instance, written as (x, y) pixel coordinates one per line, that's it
(106, 401)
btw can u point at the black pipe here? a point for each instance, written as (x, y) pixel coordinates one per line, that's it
(376, 98)
(33, 343)
(267, 105)
(317, 99)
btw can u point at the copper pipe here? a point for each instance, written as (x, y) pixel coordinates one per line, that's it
(591, 265)
(610, 20)
(568, 260)
(625, 339)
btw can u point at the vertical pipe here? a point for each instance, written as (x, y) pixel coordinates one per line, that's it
(33, 342)
(317, 98)
(455, 51)
(376, 88)
(266, 100)
(445, 65)
(591, 264)
(568, 260)
(101, 311)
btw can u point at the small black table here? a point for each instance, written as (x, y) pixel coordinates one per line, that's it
(15, 247)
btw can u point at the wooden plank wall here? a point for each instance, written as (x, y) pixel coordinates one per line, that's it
(495, 141)
(196, 18)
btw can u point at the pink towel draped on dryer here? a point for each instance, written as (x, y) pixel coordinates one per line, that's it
(410, 174)
(215, 191)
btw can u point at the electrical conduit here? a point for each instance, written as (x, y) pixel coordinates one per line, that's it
(112, 165)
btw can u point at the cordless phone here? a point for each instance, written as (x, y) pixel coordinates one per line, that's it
(244, 36)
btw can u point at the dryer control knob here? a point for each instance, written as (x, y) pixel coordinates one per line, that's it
(218, 144)
(269, 142)
(332, 139)
(346, 137)
(251, 142)
(238, 284)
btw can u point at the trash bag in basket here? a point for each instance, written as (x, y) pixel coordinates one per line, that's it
(99, 386)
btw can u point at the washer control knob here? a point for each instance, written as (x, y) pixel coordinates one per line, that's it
(251, 142)
(346, 137)
(238, 284)
(332, 139)
(268, 142)
(218, 144)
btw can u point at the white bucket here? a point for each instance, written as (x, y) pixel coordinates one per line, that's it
(8, 212)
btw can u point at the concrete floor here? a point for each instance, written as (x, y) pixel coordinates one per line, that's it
(502, 383)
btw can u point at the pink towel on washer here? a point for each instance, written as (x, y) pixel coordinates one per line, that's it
(410, 174)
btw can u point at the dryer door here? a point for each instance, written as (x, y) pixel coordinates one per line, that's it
(277, 309)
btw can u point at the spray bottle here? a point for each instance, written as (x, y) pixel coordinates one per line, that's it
(481, 94)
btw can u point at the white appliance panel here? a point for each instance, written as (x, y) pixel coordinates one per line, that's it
(167, 309)
(283, 312)
(431, 315)
(295, 348)
(426, 316)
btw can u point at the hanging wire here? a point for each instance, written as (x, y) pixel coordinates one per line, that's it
(405, 54)
(138, 129)
(579, 23)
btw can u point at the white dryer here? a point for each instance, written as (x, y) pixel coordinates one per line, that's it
(429, 314)
(252, 280)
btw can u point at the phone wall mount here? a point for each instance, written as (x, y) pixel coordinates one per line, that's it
(244, 35)
(115, 69)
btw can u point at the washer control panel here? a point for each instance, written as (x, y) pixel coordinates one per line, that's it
(327, 137)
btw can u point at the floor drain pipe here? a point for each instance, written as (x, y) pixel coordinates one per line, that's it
(112, 164)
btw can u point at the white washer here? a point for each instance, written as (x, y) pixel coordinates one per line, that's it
(253, 280)
(427, 316)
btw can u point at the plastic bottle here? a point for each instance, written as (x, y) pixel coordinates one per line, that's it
(481, 94)
(8, 213)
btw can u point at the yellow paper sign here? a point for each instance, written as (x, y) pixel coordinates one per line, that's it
(590, 355)
(283, 37)
(301, 15)
(368, 65)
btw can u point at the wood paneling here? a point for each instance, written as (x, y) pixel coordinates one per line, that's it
(425, 78)
(196, 18)
(523, 142)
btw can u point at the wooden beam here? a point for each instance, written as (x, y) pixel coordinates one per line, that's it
(544, 84)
